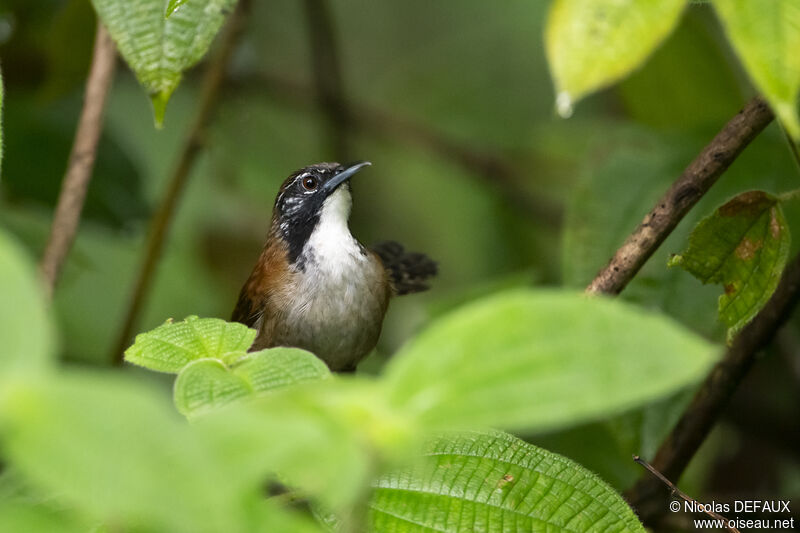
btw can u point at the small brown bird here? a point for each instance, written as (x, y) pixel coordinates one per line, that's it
(315, 286)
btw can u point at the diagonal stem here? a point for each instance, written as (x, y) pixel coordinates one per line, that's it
(670, 209)
(192, 147)
(81, 160)
(647, 496)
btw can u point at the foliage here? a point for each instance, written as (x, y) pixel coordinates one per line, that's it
(743, 246)
(766, 38)
(589, 43)
(408, 448)
(160, 48)
(592, 44)
(318, 436)
(478, 479)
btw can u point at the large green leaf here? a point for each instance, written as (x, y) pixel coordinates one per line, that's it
(541, 359)
(26, 330)
(743, 246)
(31, 518)
(208, 384)
(766, 36)
(593, 43)
(160, 48)
(108, 446)
(173, 345)
(322, 439)
(492, 481)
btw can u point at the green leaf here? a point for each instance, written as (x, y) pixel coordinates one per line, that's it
(173, 345)
(173, 5)
(541, 359)
(207, 384)
(593, 43)
(743, 246)
(26, 330)
(159, 49)
(766, 36)
(320, 439)
(30, 518)
(108, 446)
(492, 481)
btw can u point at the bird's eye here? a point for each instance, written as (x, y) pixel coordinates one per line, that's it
(310, 183)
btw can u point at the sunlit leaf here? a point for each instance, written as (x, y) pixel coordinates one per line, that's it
(766, 36)
(26, 330)
(173, 345)
(207, 384)
(593, 43)
(110, 446)
(173, 5)
(160, 48)
(742, 246)
(492, 481)
(543, 359)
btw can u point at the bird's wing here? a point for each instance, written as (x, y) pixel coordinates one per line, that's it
(247, 311)
(409, 271)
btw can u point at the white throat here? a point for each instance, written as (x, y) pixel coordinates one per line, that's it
(331, 244)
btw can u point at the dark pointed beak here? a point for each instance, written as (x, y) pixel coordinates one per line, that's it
(344, 175)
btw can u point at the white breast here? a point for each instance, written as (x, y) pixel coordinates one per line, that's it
(340, 290)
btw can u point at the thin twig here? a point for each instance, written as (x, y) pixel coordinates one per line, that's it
(699, 417)
(81, 160)
(675, 491)
(328, 80)
(695, 181)
(494, 169)
(193, 144)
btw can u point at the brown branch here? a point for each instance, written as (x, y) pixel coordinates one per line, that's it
(675, 491)
(193, 144)
(328, 83)
(494, 169)
(697, 420)
(695, 181)
(81, 160)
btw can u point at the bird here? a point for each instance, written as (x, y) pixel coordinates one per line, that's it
(315, 286)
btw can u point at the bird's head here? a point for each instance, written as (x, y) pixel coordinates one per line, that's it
(309, 196)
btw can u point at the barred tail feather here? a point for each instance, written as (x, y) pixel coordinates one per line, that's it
(409, 271)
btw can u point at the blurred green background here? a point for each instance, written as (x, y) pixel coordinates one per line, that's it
(470, 165)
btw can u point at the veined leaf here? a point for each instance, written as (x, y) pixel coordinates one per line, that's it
(541, 359)
(160, 48)
(742, 246)
(173, 5)
(173, 345)
(207, 384)
(26, 330)
(593, 43)
(492, 481)
(766, 36)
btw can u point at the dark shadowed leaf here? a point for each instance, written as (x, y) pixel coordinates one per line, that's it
(742, 246)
